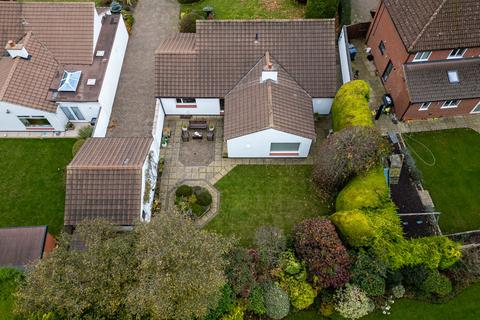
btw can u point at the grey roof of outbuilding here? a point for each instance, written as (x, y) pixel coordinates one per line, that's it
(211, 62)
(436, 24)
(104, 180)
(20, 246)
(428, 81)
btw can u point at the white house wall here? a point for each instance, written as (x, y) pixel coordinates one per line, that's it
(158, 123)
(322, 105)
(257, 145)
(110, 82)
(9, 119)
(89, 110)
(206, 107)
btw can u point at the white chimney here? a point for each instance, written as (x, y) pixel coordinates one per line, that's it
(269, 72)
(16, 50)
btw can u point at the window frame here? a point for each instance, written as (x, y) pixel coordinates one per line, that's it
(285, 151)
(381, 47)
(388, 70)
(185, 100)
(71, 114)
(448, 105)
(35, 127)
(415, 59)
(476, 106)
(78, 113)
(425, 106)
(222, 104)
(457, 56)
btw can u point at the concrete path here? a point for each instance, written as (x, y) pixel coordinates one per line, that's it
(361, 10)
(134, 106)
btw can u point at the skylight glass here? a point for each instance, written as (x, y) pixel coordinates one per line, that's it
(70, 81)
(453, 76)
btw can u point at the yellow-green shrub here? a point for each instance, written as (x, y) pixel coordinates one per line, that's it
(355, 227)
(365, 191)
(350, 106)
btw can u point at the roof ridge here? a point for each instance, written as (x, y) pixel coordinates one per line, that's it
(429, 22)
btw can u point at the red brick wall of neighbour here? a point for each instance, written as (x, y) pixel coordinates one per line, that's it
(443, 54)
(50, 244)
(383, 29)
(435, 110)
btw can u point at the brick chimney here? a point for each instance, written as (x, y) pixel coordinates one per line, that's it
(269, 71)
(16, 50)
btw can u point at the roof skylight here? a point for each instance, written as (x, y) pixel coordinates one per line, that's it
(70, 81)
(453, 76)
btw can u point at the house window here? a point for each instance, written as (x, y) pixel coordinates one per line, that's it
(457, 53)
(381, 47)
(72, 113)
(451, 104)
(422, 56)
(185, 100)
(33, 122)
(284, 148)
(453, 76)
(476, 109)
(425, 106)
(78, 113)
(222, 105)
(387, 71)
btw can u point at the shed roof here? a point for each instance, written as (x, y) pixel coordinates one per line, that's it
(20, 246)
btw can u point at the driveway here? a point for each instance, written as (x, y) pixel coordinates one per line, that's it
(361, 10)
(134, 105)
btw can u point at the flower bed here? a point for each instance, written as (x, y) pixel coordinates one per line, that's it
(193, 201)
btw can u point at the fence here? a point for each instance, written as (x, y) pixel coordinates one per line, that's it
(343, 51)
(358, 31)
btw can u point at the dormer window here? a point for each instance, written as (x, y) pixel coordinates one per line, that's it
(70, 80)
(453, 76)
(457, 53)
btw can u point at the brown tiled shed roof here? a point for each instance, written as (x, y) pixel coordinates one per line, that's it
(104, 180)
(26, 82)
(436, 24)
(253, 105)
(20, 246)
(223, 51)
(429, 81)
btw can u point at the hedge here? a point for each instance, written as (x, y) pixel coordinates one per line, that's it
(355, 227)
(350, 106)
(321, 9)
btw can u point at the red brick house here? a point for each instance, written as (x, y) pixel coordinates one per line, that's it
(427, 54)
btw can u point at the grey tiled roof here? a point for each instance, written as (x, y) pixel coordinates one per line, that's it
(21, 245)
(253, 105)
(429, 81)
(222, 52)
(104, 180)
(436, 24)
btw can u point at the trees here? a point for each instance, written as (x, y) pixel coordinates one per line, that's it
(317, 243)
(318, 9)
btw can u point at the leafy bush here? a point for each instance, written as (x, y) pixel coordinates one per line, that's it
(225, 304)
(290, 264)
(277, 303)
(236, 313)
(364, 191)
(256, 301)
(318, 9)
(317, 243)
(85, 132)
(184, 191)
(437, 283)
(355, 227)
(350, 106)
(188, 23)
(327, 304)
(467, 270)
(369, 274)
(241, 271)
(413, 276)
(204, 198)
(77, 146)
(350, 152)
(398, 291)
(352, 303)
(270, 243)
(197, 209)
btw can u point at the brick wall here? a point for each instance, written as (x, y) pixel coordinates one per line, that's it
(435, 110)
(443, 54)
(50, 244)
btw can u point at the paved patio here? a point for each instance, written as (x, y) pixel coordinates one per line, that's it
(361, 10)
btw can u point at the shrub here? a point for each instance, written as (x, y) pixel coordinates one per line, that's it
(129, 20)
(355, 227)
(188, 23)
(318, 9)
(256, 301)
(276, 302)
(352, 303)
(197, 209)
(317, 243)
(350, 106)
(290, 264)
(85, 132)
(398, 291)
(369, 273)
(270, 243)
(77, 146)
(413, 276)
(204, 198)
(437, 283)
(236, 313)
(327, 304)
(364, 191)
(184, 191)
(241, 271)
(225, 304)
(467, 270)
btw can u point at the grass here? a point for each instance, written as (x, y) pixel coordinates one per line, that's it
(453, 181)
(257, 195)
(462, 307)
(32, 188)
(250, 9)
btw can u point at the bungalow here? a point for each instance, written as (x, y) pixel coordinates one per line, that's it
(111, 178)
(266, 77)
(61, 66)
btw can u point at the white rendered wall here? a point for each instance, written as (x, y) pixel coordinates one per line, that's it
(201, 107)
(10, 122)
(257, 145)
(97, 26)
(322, 105)
(110, 81)
(158, 122)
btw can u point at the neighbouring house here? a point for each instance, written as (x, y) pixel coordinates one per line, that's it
(266, 77)
(113, 179)
(60, 66)
(20, 246)
(427, 54)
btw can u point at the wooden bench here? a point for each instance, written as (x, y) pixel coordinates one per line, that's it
(197, 124)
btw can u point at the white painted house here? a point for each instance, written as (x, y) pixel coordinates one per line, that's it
(61, 65)
(266, 77)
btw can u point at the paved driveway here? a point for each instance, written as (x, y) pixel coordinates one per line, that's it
(134, 106)
(361, 10)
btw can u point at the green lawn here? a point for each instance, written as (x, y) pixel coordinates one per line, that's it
(8, 285)
(463, 307)
(250, 9)
(32, 188)
(454, 179)
(256, 195)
